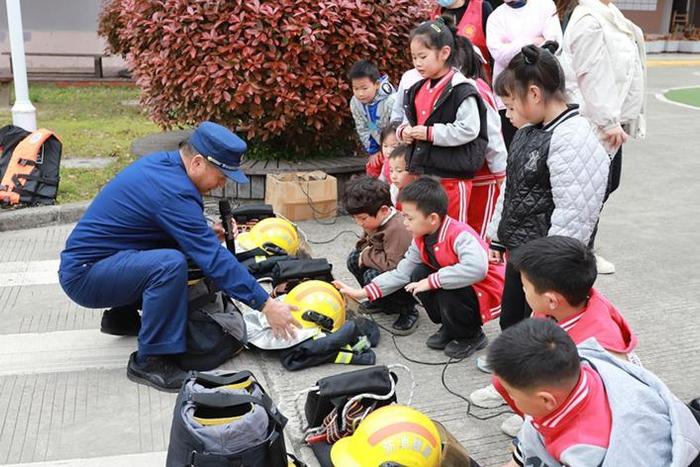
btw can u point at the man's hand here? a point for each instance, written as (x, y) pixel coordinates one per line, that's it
(495, 256)
(357, 294)
(279, 316)
(219, 231)
(418, 287)
(616, 137)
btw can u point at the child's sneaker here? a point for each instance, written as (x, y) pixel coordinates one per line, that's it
(464, 347)
(439, 339)
(486, 398)
(406, 323)
(604, 266)
(512, 425)
(482, 363)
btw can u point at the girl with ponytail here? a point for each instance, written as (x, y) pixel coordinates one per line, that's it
(445, 118)
(557, 170)
(556, 176)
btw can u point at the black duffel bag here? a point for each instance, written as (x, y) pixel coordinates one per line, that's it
(215, 328)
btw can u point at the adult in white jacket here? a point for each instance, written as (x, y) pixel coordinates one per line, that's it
(511, 27)
(603, 58)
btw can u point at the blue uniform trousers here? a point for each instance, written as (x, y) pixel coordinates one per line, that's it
(157, 277)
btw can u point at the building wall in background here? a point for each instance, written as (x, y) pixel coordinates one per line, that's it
(58, 26)
(653, 16)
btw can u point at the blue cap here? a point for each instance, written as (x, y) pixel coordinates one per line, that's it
(221, 147)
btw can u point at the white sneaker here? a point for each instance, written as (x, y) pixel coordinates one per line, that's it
(604, 266)
(512, 425)
(482, 363)
(486, 398)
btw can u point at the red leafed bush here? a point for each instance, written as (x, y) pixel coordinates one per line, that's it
(275, 70)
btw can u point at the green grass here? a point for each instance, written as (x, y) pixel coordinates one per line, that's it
(690, 96)
(92, 121)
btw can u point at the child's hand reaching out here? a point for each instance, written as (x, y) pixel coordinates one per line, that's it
(418, 287)
(357, 294)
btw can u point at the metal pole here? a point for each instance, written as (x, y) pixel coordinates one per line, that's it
(23, 112)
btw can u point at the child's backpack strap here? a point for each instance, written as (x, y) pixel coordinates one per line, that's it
(26, 156)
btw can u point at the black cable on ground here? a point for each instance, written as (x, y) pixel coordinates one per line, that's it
(445, 365)
(331, 240)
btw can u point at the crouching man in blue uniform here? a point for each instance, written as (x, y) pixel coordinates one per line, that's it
(132, 244)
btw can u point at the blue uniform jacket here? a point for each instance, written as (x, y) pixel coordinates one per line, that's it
(153, 204)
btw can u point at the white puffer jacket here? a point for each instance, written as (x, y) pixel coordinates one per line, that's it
(604, 61)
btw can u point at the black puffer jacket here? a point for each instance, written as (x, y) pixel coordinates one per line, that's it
(528, 204)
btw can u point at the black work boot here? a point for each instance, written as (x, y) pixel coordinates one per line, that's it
(439, 340)
(121, 321)
(465, 346)
(157, 371)
(406, 323)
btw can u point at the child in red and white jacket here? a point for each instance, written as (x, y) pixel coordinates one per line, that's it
(446, 268)
(558, 274)
(586, 408)
(444, 116)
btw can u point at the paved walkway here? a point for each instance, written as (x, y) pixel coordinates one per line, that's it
(65, 400)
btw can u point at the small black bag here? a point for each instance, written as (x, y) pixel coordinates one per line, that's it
(335, 390)
(294, 271)
(215, 329)
(252, 213)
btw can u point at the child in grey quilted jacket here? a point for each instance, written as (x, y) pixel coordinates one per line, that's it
(557, 170)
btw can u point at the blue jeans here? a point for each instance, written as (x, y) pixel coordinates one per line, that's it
(157, 277)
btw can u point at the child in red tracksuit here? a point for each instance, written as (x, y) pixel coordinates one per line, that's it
(558, 274)
(444, 115)
(446, 268)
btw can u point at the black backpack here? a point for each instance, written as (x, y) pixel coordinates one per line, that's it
(29, 166)
(220, 396)
(215, 328)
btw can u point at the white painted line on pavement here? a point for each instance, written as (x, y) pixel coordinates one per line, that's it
(19, 273)
(60, 351)
(662, 97)
(147, 459)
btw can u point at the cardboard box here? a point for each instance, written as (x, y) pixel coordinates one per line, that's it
(300, 196)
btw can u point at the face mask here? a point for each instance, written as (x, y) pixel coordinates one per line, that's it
(516, 3)
(445, 3)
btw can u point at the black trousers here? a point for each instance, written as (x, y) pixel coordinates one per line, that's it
(614, 177)
(514, 307)
(456, 309)
(507, 129)
(395, 303)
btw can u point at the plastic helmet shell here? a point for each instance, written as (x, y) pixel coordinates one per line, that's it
(318, 296)
(394, 433)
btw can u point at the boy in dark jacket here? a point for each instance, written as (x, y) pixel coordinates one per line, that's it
(383, 244)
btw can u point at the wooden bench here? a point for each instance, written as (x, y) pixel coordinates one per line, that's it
(97, 59)
(340, 167)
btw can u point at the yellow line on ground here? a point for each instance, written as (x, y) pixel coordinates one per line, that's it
(672, 63)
